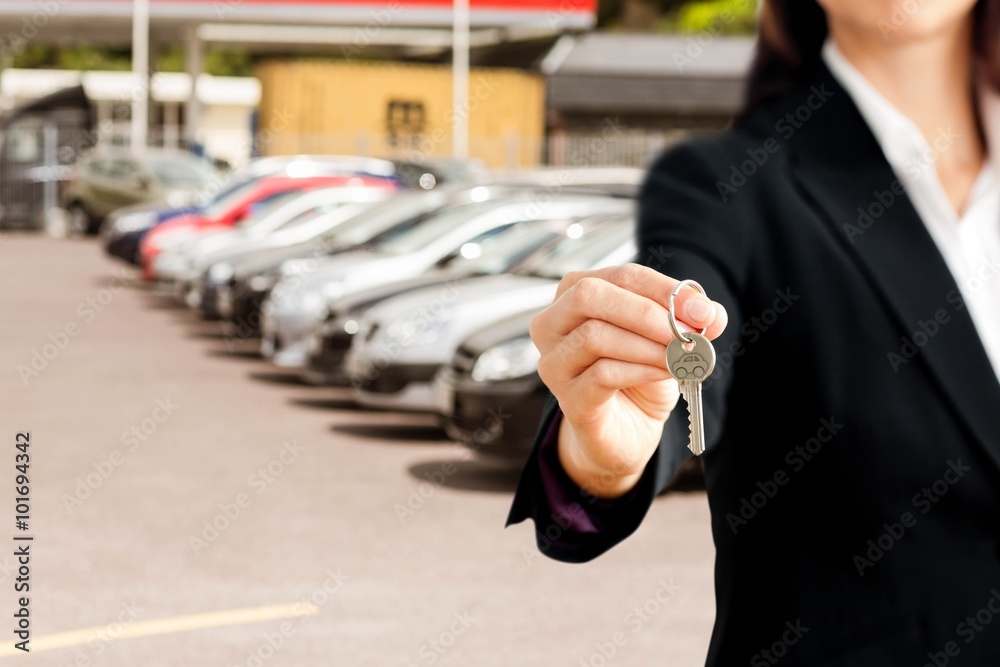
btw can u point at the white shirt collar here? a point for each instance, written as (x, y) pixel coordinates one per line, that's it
(903, 144)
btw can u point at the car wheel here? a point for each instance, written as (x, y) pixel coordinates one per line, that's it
(79, 221)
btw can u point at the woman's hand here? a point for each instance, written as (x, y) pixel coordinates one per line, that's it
(603, 344)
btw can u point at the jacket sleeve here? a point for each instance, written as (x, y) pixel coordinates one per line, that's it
(686, 229)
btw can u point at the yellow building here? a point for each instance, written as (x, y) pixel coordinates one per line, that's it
(397, 110)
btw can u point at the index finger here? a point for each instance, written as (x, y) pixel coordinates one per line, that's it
(691, 306)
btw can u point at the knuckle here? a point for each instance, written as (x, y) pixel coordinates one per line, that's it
(545, 368)
(569, 280)
(602, 373)
(588, 336)
(585, 292)
(627, 276)
(535, 327)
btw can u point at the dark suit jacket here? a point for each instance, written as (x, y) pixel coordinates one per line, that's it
(853, 420)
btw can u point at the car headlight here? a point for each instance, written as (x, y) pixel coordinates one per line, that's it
(512, 359)
(134, 222)
(179, 198)
(220, 273)
(417, 330)
(314, 303)
(297, 267)
(333, 290)
(262, 282)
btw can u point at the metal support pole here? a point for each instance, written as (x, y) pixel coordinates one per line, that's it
(460, 80)
(140, 71)
(195, 58)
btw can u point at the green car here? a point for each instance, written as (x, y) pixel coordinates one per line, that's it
(106, 180)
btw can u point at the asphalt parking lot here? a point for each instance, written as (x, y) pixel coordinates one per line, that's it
(192, 505)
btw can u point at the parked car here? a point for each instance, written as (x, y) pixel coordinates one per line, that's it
(400, 344)
(106, 180)
(295, 216)
(328, 344)
(255, 275)
(489, 394)
(240, 204)
(490, 397)
(297, 305)
(124, 229)
(429, 174)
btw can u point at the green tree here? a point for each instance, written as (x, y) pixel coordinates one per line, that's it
(730, 17)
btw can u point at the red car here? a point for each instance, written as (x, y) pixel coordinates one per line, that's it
(236, 207)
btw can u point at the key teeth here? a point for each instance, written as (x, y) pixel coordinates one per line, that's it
(694, 450)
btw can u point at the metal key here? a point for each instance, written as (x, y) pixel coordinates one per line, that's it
(690, 363)
(690, 359)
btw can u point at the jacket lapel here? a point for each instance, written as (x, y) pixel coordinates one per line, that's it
(840, 169)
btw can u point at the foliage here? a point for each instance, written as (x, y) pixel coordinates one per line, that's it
(729, 17)
(87, 57)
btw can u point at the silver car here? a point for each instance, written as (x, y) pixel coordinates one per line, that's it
(289, 217)
(402, 341)
(298, 303)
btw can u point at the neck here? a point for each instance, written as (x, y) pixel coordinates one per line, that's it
(929, 80)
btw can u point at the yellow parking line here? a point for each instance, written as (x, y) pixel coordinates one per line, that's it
(162, 626)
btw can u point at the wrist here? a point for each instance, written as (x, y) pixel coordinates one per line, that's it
(589, 476)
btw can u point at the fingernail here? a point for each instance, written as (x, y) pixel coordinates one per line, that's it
(699, 310)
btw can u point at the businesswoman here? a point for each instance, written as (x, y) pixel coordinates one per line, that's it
(847, 234)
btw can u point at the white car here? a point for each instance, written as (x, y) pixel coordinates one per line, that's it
(287, 217)
(300, 301)
(402, 341)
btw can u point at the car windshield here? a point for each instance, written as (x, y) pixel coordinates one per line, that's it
(403, 240)
(576, 253)
(227, 199)
(496, 253)
(310, 215)
(381, 217)
(180, 172)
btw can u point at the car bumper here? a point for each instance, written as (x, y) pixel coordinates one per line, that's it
(396, 386)
(497, 420)
(246, 308)
(284, 337)
(125, 246)
(214, 300)
(327, 353)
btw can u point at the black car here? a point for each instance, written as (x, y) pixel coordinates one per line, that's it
(490, 396)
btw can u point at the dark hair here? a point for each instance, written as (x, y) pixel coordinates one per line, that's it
(792, 33)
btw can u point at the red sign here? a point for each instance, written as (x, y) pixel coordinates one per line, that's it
(402, 13)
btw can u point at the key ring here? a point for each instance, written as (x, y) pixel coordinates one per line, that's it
(670, 309)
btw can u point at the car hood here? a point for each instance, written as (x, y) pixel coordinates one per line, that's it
(363, 269)
(358, 302)
(301, 240)
(473, 297)
(443, 315)
(497, 333)
(214, 241)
